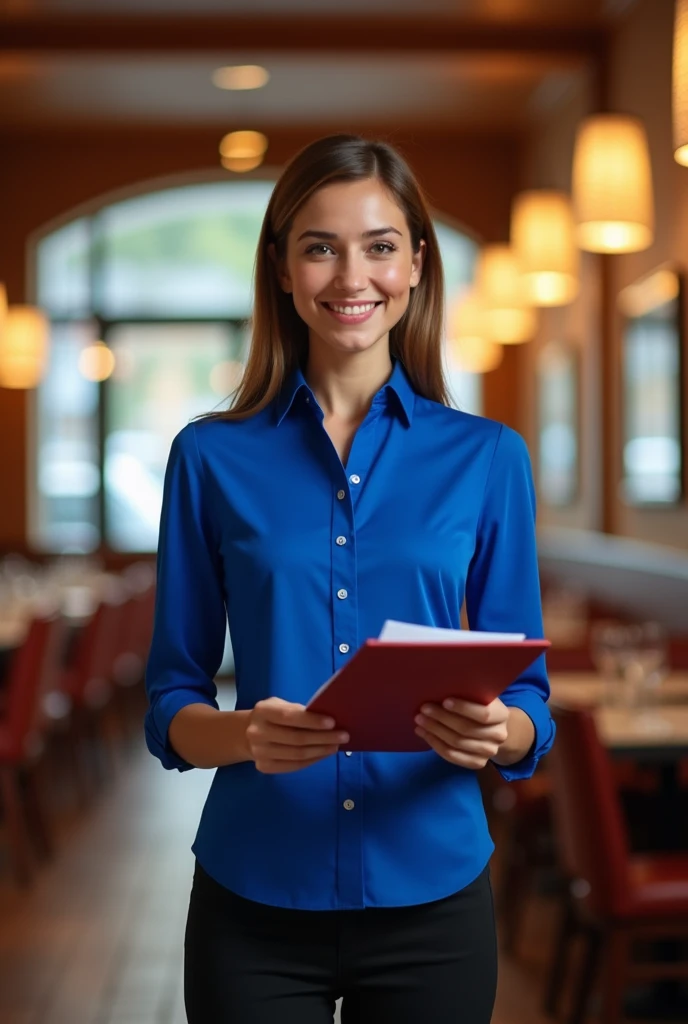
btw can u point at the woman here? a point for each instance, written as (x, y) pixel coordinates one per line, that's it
(339, 491)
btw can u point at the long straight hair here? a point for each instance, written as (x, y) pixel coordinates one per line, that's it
(279, 340)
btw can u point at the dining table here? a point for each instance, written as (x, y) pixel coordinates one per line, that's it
(654, 729)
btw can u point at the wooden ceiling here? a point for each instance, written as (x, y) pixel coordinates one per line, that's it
(491, 65)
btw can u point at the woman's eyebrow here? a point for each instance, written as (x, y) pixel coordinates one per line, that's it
(331, 236)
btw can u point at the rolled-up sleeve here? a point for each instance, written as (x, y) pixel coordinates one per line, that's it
(503, 585)
(190, 618)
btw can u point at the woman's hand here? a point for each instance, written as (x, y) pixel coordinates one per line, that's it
(283, 737)
(464, 733)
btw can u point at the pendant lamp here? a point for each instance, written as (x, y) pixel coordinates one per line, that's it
(510, 319)
(543, 237)
(23, 347)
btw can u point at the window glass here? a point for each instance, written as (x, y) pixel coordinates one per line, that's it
(182, 252)
(459, 253)
(68, 450)
(63, 271)
(652, 448)
(165, 374)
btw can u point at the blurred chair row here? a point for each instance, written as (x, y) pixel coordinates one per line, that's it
(68, 695)
(569, 821)
(618, 902)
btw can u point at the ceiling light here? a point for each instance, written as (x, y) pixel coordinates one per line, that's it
(23, 347)
(241, 76)
(543, 237)
(96, 361)
(680, 83)
(242, 151)
(511, 320)
(612, 184)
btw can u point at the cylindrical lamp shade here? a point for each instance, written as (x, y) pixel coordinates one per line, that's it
(612, 185)
(510, 319)
(3, 303)
(680, 83)
(543, 237)
(469, 345)
(23, 347)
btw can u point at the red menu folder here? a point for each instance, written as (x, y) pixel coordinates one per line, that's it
(377, 694)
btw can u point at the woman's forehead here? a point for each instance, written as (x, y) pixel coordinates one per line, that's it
(351, 207)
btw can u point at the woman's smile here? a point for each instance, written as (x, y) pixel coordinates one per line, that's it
(351, 313)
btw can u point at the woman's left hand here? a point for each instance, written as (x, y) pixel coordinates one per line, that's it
(463, 733)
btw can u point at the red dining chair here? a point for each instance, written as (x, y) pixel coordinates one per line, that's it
(87, 686)
(33, 672)
(615, 898)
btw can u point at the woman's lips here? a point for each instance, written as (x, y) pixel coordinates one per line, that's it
(365, 311)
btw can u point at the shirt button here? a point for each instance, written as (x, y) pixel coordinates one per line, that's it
(343, 648)
(348, 753)
(341, 495)
(349, 805)
(341, 541)
(354, 479)
(342, 594)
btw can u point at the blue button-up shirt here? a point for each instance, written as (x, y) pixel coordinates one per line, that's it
(306, 557)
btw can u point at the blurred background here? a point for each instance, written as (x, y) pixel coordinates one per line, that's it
(139, 143)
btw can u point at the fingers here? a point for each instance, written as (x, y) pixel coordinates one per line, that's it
(485, 748)
(483, 714)
(296, 716)
(433, 718)
(266, 732)
(451, 754)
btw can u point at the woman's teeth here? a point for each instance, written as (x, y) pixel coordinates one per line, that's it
(353, 310)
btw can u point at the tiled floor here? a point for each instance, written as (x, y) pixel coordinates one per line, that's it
(98, 940)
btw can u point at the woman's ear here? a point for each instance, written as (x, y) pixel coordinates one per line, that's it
(280, 269)
(417, 264)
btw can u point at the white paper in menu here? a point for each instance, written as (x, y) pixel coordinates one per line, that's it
(408, 632)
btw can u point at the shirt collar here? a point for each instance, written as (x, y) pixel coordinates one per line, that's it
(398, 387)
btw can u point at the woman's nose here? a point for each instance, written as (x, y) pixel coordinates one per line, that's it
(351, 275)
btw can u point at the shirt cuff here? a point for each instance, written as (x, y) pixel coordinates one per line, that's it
(538, 712)
(157, 725)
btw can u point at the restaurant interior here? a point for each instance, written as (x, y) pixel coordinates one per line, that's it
(139, 142)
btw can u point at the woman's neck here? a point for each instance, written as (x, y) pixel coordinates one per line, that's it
(345, 388)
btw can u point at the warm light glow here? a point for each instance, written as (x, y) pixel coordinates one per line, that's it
(476, 355)
(3, 303)
(612, 185)
(242, 151)
(469, 347)
(544, 243)
(510, 319)
(680, 83)
(96, 361)
(241, 76)
(23, 347)
(650, 293)
(225, 377)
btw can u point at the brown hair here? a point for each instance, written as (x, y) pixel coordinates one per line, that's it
(279, 341)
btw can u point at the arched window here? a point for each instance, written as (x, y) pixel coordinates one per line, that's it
(164, 278)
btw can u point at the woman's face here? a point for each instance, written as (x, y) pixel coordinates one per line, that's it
(350, 265)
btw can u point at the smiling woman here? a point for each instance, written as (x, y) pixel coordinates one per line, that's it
(339, 490)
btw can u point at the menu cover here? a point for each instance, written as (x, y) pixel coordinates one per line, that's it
(377, 694)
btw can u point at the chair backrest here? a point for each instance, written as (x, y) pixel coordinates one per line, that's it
(588, 818)
(32, 673)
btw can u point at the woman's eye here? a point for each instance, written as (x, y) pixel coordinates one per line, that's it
(382, 248)
(318, 250)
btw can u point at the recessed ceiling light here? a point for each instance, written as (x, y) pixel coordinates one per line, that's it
(242, 151)
(241, 76)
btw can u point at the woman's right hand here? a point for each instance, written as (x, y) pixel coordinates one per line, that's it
(283, 737)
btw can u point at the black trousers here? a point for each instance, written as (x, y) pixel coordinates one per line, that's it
(248, 963)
